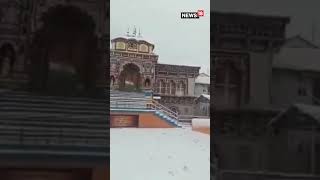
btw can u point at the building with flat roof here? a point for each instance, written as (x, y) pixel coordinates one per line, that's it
(265, 99)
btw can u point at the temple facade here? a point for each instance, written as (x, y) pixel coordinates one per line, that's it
(24, 45)
(135, 67)
(132, 64)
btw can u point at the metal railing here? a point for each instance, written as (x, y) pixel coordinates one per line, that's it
(159, 107)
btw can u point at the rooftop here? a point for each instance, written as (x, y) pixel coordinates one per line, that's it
(300, 59)
(135, 38)
(298, 115)
(203, 79)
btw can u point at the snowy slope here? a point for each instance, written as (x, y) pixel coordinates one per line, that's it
(159, 154)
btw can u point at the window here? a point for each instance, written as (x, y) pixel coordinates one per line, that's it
(162, 87)
(172, 88)
(228, 84)
(182, 88)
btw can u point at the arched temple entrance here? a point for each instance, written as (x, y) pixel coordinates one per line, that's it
(65, 52)
(130, 78)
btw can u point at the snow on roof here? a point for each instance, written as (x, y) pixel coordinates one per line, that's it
(302, 59)
(206, 96)
(138, 38)
(197, 122)
(310, 110)
(203, 79)
(298, 41)
(159, 154)
(313, 111)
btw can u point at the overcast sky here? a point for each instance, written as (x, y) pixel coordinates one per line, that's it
(302, 13)
(177, 41)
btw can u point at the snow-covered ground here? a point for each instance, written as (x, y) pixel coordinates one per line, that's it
(159, 154)
(197, 122)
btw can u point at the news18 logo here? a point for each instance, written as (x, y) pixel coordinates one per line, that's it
(192, 15)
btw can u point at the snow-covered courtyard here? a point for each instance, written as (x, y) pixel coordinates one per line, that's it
(159, 154)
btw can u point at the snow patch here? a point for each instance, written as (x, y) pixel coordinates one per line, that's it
(159, 154)
(197, 122)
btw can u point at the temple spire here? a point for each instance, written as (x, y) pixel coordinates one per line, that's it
(128, 32)
(139, 33)
(134, 31)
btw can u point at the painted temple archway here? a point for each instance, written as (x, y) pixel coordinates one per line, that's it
(130, 78)
(72, 54)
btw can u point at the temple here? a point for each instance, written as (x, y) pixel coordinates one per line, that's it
(135, 67)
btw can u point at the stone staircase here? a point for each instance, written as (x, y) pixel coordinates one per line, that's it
(132, 100)
(16, 82)
(140, 101)
(56, 124)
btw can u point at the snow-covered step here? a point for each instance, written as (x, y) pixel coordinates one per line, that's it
(185, 125)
